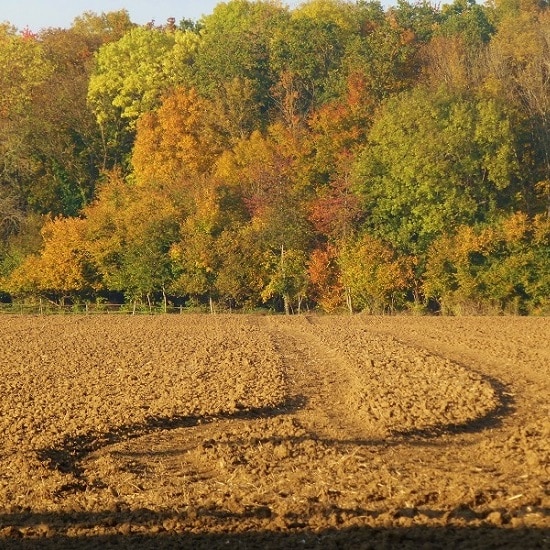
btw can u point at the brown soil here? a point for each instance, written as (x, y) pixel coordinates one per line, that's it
(271, 432)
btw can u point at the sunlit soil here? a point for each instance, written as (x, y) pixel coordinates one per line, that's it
(274, 432)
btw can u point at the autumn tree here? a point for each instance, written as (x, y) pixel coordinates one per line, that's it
(325, 279)
(198, 255)
(260, 168)
(103, 27)
(375, 277)
(62, 270)
(337, 132)
(53, 151)
(519, 69)
(383, 54)
(129, 232)
(177, 141)
(129, 79)
(23, 69)
(501, 266)
(337, 153)
(265, 170)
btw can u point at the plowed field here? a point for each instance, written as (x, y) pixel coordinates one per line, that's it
(269, 432)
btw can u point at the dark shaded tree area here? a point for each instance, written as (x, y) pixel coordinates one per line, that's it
(334, 156)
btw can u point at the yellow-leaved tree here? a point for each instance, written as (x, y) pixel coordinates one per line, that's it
(375, 277)
(62, 270)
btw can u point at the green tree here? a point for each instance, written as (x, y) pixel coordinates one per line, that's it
(130, 75)
(21, 237)
(234, 51)
(129, 232)
(501, 266)
(433, 163)
(287, 278)
(468, 20)
(195, 263)
(305, 53)
(197, 257)
(62, 133)
(420, 18)
(241, 276)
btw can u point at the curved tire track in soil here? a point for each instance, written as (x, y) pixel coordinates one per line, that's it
(323, 389)
(336, 388)
(322, 385)
(66, 457)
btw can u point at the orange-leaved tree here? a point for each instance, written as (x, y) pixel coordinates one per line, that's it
(325, 280)
(177, 141)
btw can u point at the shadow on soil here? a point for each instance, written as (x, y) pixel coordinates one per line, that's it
(219, 529)
(66, 456)
(493, 419)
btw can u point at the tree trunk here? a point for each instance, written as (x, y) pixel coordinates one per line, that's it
(287, 304)
(348, 300)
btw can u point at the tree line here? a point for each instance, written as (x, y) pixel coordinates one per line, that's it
(338, 156)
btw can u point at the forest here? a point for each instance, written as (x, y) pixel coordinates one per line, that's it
(337, 156)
